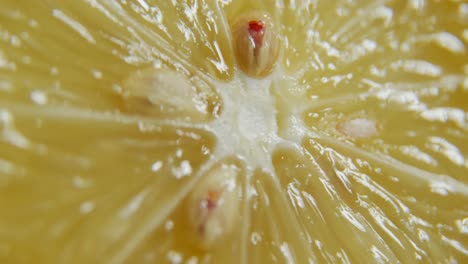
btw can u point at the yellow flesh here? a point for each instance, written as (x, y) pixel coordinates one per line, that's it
(85, 180)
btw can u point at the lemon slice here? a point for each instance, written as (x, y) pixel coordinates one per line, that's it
(233, 131)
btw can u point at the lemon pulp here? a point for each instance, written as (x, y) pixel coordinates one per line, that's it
(83, 179)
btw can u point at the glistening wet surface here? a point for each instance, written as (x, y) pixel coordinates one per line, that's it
(134, 131)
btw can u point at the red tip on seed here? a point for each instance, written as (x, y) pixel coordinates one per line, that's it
(256, 30)
(212, 199)
(256, 25)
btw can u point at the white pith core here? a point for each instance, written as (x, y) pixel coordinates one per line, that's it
(247, 127)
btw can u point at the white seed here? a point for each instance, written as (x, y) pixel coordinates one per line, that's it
(213, 206)
(358, 128)
(256, 43)
(161, 91)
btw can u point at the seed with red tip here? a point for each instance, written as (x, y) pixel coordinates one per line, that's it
(256, 43)
(256, 32)
(212, 199)
(256, 25)
(213, 205)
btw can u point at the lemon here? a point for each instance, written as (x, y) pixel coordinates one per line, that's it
(206, 131)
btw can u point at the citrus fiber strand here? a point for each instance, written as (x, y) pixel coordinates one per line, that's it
(291, 169)
(245, 222)
(154, 221)
(108, 219)
(353, 32)
(430, 228)
(373, 218)
(448, 83)
(223, 22)
(321, 104)
(59, 112)
(344, 221)
(401, 235)
(287, 209)
(51, 41)
(285, 231)
(348, 210)
(395, 165)
(337, 31)
(225, 29)
(155, 41)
